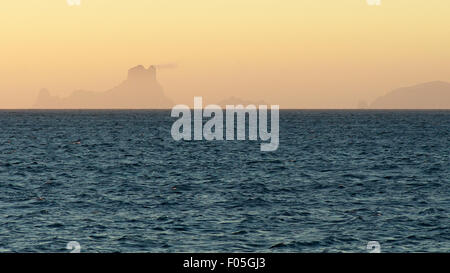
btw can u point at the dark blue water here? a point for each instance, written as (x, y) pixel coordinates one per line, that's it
(115, 181)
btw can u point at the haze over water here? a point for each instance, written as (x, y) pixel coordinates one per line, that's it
(116, 181)
(298, 54)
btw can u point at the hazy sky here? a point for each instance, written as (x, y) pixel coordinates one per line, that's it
(297, 53)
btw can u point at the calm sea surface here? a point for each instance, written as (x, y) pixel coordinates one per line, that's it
(115, 181)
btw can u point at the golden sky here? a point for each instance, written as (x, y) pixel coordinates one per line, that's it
(296, 53)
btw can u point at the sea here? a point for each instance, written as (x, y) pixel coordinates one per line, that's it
(116, 181)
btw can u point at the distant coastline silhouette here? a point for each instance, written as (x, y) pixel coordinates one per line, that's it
(140, 90)
(430, 95)
(238, 101)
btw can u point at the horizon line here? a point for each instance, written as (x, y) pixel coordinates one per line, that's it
(153, 109)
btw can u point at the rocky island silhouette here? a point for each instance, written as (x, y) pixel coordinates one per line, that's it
(140, 90)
